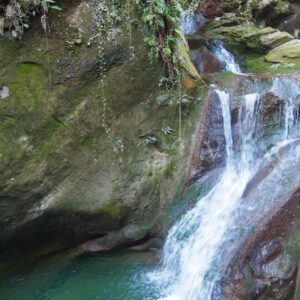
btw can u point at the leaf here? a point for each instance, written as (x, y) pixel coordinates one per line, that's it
(55, 7)
(167, 51)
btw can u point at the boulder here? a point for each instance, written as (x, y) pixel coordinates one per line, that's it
(209, 150)
(205, 61)
(195, 41)
(212, 8)
(272, 107)
(291, 23)
(247, 35)
(127, 236)
(275, 39)
(272, 11)
(285, 52)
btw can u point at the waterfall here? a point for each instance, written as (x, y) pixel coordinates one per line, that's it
(198, 246)
(225, 105)
(226, 57)
(191, 23)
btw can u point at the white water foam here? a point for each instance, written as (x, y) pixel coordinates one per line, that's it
(226, 57)
(290, 92)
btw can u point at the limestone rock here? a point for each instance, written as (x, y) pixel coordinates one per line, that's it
(284, 52)
(275, 39)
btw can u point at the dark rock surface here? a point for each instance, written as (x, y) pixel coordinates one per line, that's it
(205, 61)
(209, 149)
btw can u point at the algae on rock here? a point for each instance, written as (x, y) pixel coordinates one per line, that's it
(72, 160)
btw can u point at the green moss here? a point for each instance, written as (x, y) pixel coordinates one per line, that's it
(169, 170)
(224, 76)
(257, 64)
(113, 209)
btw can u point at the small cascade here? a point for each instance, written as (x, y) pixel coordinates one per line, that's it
(225, 105)
(290, 92)
(199, 245)
(226, 57)
(191, 23)
(290, 114)
(247, 121)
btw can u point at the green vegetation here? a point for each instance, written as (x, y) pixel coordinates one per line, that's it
(15, 16)
(163, 19)
(256, 63)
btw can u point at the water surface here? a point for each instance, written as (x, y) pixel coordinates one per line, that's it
(114, 276)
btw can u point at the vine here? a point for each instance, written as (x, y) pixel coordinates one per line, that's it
(163, 18)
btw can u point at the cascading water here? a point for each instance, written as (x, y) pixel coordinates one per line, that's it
(191, 22)
(226, 57)
(198, 245)
(291, 93)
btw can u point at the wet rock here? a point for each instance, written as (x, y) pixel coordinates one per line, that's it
(195, 41)
(82, 173)
(153, 244)
(209, 149)
(228, 19)
(262, 266)
(272, 106)
(127, 236)
(205, 61)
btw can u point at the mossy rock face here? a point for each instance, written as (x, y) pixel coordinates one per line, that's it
(74, 130)
(248, 36)
(285, 52)
(182, 54)
(275, 39)
(262, 49)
